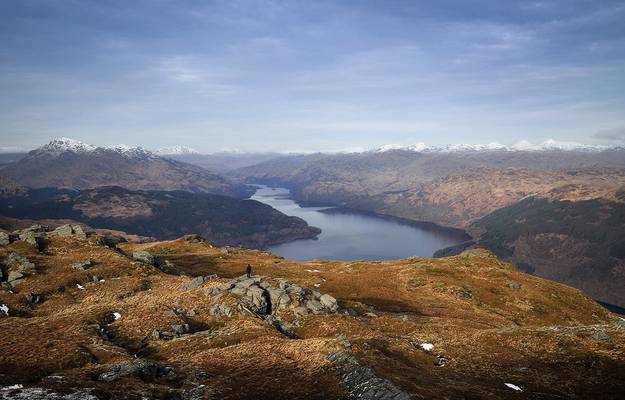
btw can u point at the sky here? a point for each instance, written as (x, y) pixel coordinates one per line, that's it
(311, 75)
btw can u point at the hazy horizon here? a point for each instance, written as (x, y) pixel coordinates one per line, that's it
(280, 76)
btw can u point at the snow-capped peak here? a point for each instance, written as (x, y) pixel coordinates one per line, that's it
(63, 145)
(523, 145)
(176, 150)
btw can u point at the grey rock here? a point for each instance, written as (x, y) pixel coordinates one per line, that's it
(620, 324)
(239, 291)
(78, 232)
(70, 230)
(220, 310)
(246, 283)
(15, 278)
(601, 336)
(180, 329)
(299, 311)
(38, 241)
(514, 285)
(226, 286)
(256, 297)
(34, 393)
(33, 298)
(144, 257)
(344, 341)
(4, 238)
(279, 299)
(194, 283)
(329, 302)
(147, 371)
(21, 263)
(314, 306)
(211, 291)
(64, 230)
(82, 265)
(361, 382)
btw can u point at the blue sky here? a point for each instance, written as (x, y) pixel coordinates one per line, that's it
(311, 75)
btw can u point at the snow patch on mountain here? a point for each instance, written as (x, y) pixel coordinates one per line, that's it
(62, 145)
(523, 145)
(176, 150)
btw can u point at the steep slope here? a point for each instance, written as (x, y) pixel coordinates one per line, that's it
(66, 163)
(575, 239)
(164, 215)
(463, 327)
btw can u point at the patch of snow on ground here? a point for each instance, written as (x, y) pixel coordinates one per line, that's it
(79, 286)
(513, 387)
(13, 387)
(4, 309)
(117, 316)
(427, 346)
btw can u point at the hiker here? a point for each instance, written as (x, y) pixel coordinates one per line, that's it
(248, 271)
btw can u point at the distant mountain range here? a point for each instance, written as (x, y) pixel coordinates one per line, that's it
(67, 163)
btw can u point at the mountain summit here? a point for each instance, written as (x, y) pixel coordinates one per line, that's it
(69, 163)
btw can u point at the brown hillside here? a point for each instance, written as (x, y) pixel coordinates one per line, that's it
(179, 337)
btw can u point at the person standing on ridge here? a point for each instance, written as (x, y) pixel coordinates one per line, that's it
(248, 271)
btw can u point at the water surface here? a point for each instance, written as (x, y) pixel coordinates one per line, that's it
(350, 235)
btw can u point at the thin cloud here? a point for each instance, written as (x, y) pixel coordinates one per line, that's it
(616, 134)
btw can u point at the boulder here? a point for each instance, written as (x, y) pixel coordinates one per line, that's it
(70, 230)
(514, 285)
(15, 278)
(82, 265)
(329, 302)
(64, 230)
(20, 263)
(37, 240)
(4, 238)
(256, 297)
(315, 307)
(193, 284)
(144, 257)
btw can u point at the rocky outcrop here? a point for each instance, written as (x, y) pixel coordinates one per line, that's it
(17, 267)
(274, 300)
(70, 230)
(360, 382)
(147, 371)
(145, 257)
(4, 238)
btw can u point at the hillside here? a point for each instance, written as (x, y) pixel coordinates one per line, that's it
(575, 239)
(66, 163)
(179, 322)
(164, 215)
